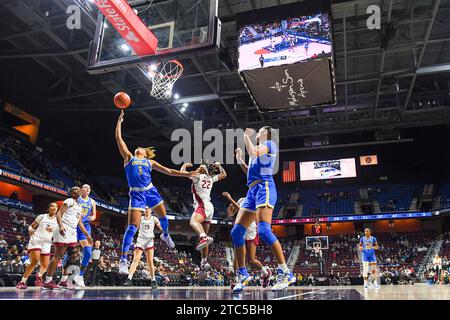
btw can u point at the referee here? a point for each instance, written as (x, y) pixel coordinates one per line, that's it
(95, 260)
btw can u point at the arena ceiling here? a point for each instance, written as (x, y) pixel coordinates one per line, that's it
(397, 77)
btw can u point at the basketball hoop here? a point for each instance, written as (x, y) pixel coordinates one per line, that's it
(163, 75)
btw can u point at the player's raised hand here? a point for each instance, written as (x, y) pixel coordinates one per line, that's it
(249, 132)
(238, 153)
(121, 116)
(226, 194)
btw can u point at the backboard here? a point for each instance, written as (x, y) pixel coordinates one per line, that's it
(314, 241)
(183, 28)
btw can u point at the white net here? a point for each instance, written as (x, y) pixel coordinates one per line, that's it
(163, 76)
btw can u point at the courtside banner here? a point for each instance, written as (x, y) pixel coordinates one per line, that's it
(129, 25)
(45, 186)
(16, 204)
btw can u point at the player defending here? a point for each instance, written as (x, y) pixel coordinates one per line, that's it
(65, 236)
(89, 214)
(251, 243)
(259, 204)
(203, 207)
(138, 169)
(145, 243)
(367, 245)
(40, 245)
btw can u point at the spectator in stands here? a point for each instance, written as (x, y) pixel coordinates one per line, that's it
(14, 195)
(2, 240)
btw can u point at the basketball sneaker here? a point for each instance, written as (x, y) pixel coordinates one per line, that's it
(205, 266)
(366, 285)
(50, 286)
(66, 285)
(282, 281)
(265, 279)
(204, 241)
(38, 281)
(168, 240)
(376, 286)
(128, 283)
(154, 285)
(21, 285)
(79, 281)
(123, 266)
(291, 278)
(241, 283)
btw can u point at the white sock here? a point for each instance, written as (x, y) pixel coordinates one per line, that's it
(130, 277)
(264, 271)
(153, 279)
(202, 235)
(204, 260)
(64, 278)
(48, 279)
(283, 267)
(24, 280)
(365, 281)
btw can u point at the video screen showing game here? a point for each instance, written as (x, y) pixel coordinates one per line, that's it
(327, 169)
(285, 41)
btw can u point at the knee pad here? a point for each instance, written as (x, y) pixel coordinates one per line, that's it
(266, 234)
(237, 235)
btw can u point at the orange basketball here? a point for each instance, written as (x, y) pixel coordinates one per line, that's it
(122, 100)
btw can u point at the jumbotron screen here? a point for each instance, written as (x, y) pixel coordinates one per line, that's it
(327, 169)
(286, 41)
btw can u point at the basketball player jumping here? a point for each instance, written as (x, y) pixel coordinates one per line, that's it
(138, 169)
(259, 204)
(40, 245)
(203, 207)
(367, 245)
(145, 242)
(251, 243)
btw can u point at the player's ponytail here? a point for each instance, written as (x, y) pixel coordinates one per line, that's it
(150, 153)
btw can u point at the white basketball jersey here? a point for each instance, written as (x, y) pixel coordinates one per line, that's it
(72, 215)
(201, 188)
(46, 227)
(147, 227)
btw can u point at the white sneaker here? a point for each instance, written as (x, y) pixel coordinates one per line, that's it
(376, 286)
(282, 281)
(366, 285)
(205, 266)
(123, 266)
(168, 240)
(241, 282)
(79, 281)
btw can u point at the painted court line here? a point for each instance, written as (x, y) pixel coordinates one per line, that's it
(300, 294)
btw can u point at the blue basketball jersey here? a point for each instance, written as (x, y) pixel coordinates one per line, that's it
(261, 168)
(368, 244)
(86, 205)
(138, 172)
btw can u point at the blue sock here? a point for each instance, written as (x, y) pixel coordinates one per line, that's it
(87, 253)
(243, 271)
(164, 225)
(64, 260)
(127, 240)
